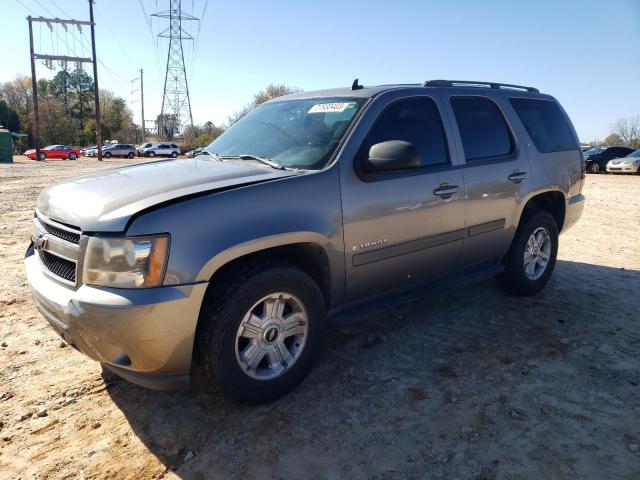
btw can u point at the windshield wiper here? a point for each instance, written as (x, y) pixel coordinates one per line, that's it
(256, 158)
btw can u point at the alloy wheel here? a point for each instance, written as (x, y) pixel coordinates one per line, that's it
(272, 336)
(537, 253)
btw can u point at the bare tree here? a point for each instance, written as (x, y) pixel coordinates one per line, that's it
(271, 91)
(628, 129)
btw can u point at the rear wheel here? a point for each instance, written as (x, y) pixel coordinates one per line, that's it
(260, 333)
(174, 154)
(130, 155)
(72, 156)
(532, 256)
(107, 155)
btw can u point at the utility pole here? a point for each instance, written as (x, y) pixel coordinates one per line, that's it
(63, 59)
(34, 86)
(142, 106)
(95, 85)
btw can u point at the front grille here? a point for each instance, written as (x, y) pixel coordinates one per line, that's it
(59, 266)
(62, 233)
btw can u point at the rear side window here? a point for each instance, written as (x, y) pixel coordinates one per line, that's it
(414, 120)
(482, 128)
(547, 126)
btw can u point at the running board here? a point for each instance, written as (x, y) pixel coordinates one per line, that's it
(437, 285)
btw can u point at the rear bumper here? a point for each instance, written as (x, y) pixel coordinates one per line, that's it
(573, 211)
(143, 335)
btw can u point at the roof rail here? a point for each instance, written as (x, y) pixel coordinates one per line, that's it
(455, 83)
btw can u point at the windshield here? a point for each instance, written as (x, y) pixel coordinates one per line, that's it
(293, 133)
(635, 153)
(594, 151)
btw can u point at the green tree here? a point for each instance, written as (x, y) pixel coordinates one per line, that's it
(9, 118)
(612, 139)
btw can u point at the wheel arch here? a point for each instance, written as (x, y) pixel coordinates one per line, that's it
(553, 201)
(309, 251)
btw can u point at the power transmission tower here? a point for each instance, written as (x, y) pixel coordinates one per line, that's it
(176, 105)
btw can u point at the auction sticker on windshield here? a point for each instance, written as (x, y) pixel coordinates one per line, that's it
(329, 107)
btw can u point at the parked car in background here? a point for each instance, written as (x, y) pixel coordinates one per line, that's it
(119, 150)
(55, 151)
(312, 203)
(596, 158)
(159, 149)
(195, 152)
(83, 151)
(628, 164)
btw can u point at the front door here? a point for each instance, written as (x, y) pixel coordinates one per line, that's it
(402, 228)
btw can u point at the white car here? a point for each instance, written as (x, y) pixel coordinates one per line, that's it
(628, 164)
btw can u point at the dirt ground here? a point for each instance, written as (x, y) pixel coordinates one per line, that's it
(470, 384)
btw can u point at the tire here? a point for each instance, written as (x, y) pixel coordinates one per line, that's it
(174, 155)
(516, 278)
(219, 344)
(72, 156)
(43, 156)
(595, 167)
(151, 154)
(130, 155)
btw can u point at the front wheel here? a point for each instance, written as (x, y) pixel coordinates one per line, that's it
(42, 156)
(595, 167)
(151, 154)
(260, 332)
(107, 155)
(130, 155)
(532, 256)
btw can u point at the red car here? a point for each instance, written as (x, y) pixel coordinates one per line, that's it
(54, 151)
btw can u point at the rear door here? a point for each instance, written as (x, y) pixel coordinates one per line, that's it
(496, 175)
(401, 228)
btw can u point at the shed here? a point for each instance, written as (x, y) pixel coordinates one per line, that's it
(6, 146)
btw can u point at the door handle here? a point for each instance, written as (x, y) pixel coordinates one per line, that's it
(518, 176)
(445, 190)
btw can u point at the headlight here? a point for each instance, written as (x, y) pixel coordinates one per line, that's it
(135, 262)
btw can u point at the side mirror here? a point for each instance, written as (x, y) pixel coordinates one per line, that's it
(392, 155)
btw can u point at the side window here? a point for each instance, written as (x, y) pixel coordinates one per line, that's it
(545, 123)
(164, 146)
(482, 128)
(173, 145)
(414, 120)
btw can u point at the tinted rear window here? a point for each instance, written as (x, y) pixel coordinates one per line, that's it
(482, 128)
(547, 126)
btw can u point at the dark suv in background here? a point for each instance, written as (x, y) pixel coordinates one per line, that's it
(596, 158)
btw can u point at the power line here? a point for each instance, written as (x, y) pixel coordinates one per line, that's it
(106, 24)
(153, 39)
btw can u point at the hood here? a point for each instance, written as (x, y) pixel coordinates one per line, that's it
(105, 201)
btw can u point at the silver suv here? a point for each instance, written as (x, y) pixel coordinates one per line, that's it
(119, 150)
(160, 149)
(314, 204)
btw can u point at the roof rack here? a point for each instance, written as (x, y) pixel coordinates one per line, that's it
(455, 83)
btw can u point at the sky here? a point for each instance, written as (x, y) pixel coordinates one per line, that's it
(586, 53)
